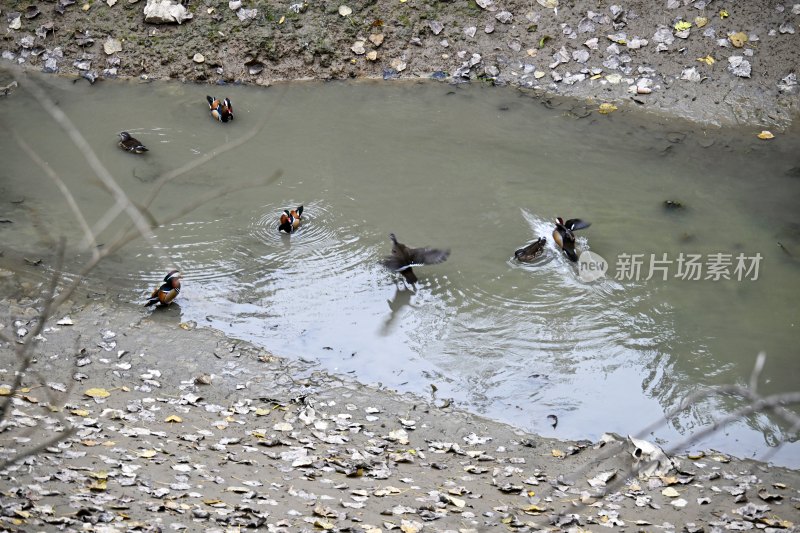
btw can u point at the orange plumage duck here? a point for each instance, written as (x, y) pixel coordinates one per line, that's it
(290, 220)
(167, 292)
(565, 238)
(221, 110)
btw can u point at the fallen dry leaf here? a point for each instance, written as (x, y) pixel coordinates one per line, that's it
(97, 393)
(607, 108)
(765, 135)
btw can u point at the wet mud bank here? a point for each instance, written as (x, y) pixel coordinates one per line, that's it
(706, 61)
(236, 437)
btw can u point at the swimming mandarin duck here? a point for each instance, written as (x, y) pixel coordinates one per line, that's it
(564, 238)
(532, 251)
(404, 257)
(168, 291)
(129, 144)
(290, 220)
(221, 110)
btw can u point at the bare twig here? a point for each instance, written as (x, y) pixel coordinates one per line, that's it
(122, 200)
(62, 187)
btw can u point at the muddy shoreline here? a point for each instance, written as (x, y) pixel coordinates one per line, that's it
(701, 60)
(239, 437)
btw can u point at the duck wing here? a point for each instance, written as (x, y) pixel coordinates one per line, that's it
(576, 224)
(427, 256)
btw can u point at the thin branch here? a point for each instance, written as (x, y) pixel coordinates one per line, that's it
(39, 448)
(112, 213)
(89, 237)
(23, 351)
(83, 146)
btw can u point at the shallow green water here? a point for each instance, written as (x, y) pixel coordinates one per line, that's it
(481, 171)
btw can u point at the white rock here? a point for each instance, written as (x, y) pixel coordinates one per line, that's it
(506, 17)
(580, 56)
(436, 27)
(739, 66)
(165, 12)
(663, 35)
(235, 5)
(484, 4)
(690, 74)
(358, 48)
(112, 46)
(345, 10)
(592, 44)
(470, 32)
(245, 14)
(198, 58)
(398, 64)
(16, 22)
(796, 9)
(614, 79)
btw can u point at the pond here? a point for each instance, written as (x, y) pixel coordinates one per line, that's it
(478, 170)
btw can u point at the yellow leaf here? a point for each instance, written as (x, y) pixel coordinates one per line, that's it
(766, 135)
(723, 14)
(669, 492)
(80, 412)
(696, 455)
(97, 393)
(607, 108)
(173, 418)
(323, 524)
(682, 25)
(23, 514)
(534, 509)
(109, 443)
(708, 60)
(89, 443)
(259, 435)
(86, 7)
(99, 475)
(559, 454)
(596, 77)
(700, 21)
(24, 390)
(738, 39)
(98, 485)
(5, 391)
(147, 454)
(212, 502)
(281, 21)
(262, 412)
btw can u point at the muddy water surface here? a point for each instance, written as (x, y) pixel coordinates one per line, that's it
(481, 171)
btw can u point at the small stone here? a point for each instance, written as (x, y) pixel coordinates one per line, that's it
(376, 39)
(372, 55)
(345, 10)
(235, 5)
(592, 44)
(505, 17)
(515, 46)
(614, 79)
(112, 46)
(484, 4)
(489, 28)
(739, 66)
(358, 48)
(14, 21)
(786, 28)
(539, 74)
(470, 32)
(198, 58)
(580, 56)
(398, 65)
(690, 74)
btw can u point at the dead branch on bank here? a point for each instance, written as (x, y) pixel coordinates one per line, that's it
(755, 403)
(141, 225)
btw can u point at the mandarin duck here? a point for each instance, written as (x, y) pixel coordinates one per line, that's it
(129, 144)
(221, 110)
(564, 238)
(290, 220)
(167, 291)
(404, 257)
(531, 251)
